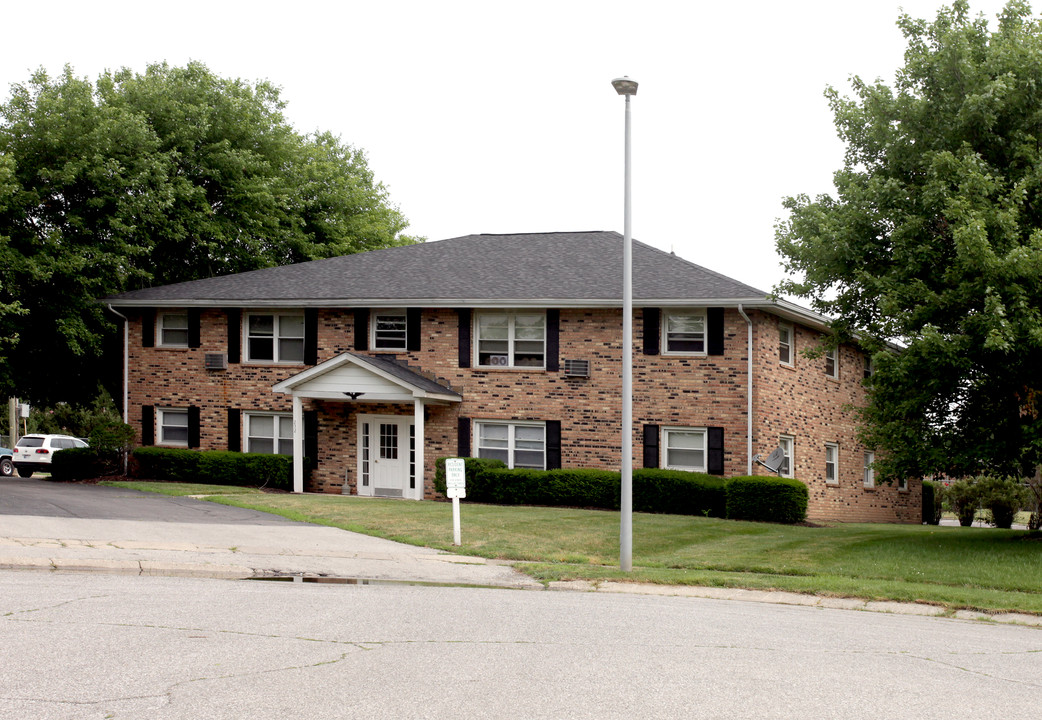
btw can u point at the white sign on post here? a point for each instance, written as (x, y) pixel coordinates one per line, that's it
(456, 478)
(455, 488)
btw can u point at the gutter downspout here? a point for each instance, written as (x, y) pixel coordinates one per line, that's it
(126, 375)
(126, 361)
(749, 395)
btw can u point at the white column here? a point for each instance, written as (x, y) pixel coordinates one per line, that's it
(420, 437)
(298, 444)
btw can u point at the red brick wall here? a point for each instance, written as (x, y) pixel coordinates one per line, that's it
(707, 391)
(803, 402)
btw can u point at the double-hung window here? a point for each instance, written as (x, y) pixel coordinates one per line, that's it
(173, 427)
(511, 339)
(832, 463)
(785, 337)
(684, 332)
(390, 329)
(269, 433)
(172, 330)
(519, 445)
(684, 448)
(832, 362)
(870, 473)
(275, 337)
(788, 444)
(869, 366)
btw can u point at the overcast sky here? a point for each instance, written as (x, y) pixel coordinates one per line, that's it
(494, 117)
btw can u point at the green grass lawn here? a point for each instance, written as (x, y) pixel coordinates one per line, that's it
(983, 568)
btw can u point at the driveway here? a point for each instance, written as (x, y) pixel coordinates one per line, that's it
(94, 528)
(44, 498)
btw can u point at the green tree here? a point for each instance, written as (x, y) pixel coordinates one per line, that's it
(146, 179)
(934, 240)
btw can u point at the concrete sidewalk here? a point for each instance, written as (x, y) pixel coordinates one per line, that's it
(233, 551)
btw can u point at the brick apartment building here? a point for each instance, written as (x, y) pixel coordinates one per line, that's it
(505, 346)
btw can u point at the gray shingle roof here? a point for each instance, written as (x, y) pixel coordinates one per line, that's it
(566, 267)
(402, 371)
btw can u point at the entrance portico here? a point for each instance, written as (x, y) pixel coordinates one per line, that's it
(383, 442)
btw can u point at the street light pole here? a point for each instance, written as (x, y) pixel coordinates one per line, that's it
(628, 88)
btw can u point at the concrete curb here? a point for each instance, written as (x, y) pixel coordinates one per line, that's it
(240, 572)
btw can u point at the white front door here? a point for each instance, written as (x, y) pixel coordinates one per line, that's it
(385, 458)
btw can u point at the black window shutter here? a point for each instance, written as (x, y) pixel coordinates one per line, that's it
(361, 329)
(412, 329)
(194, 339)
(193, 426)
(553, 342)
(234, 333)
(234, 429)
(463, 437)
(652, 321)
(715, 458)
(553, 444)
(310, 336)
(651, 446)
(148, 425)
(148, 327)
(464, 338)
(715, 331)
(310, 440)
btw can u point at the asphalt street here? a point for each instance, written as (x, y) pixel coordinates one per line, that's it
(113, 646)
(119, 604)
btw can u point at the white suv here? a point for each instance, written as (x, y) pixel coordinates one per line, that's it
(34, 452)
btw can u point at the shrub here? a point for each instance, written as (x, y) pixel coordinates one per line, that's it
(217, 467)
(76, 464)
(570, 487)
(679, 493)
(657, 491)
(963, 498)
(171, 464)
(1002, 497)
(933, 502)
(476, 469)
(770, 499)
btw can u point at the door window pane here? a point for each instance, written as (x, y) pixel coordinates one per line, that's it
(388, 441)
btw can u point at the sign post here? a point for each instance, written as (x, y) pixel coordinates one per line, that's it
(455, 488)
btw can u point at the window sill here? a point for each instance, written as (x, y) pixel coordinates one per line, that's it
(268, 363)
(514, 369)
(832, 483)
(171, 347)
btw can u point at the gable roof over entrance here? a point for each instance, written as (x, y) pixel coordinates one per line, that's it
(368, 379)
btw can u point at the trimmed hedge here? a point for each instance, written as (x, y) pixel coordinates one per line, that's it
(679, 493)
(766, 499)
(77, 464)
(571, 487)
(654, 491)
(476, 473)
(216, 467)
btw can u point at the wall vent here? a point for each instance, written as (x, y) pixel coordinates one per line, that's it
(577, 368)
(215, 361)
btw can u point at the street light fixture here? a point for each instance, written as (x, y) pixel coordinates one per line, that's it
(627, 87)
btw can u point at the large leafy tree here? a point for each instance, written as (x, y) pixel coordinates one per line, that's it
(934, 240)
(144, 179)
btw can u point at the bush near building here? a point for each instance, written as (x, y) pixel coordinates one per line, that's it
(654, 491)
